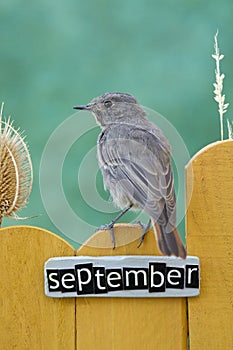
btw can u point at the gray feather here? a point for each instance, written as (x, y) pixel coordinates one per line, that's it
(136, 167)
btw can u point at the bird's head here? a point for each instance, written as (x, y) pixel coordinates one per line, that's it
(114, 107)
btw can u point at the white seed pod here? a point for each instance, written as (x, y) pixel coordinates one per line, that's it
(16, 174)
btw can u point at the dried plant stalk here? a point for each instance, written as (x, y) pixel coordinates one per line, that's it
(230, 130)
(16, 173)
(218, 85)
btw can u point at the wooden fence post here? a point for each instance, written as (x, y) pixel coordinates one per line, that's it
(129, 323)
(210, 237)
(28, 319)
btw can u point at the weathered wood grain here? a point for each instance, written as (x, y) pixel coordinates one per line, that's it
(120, 324)
(210, 237)
(29, 319)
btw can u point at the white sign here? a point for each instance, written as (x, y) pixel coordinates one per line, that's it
(122, 276)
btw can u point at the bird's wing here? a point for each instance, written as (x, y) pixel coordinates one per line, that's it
(140, 160)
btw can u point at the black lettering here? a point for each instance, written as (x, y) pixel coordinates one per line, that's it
(135, 278)
(100, 280)
(175, 277)
(157, 280)
(114, 279)
(53, 280)
(192, 276)
(84, 277)
(67, 280)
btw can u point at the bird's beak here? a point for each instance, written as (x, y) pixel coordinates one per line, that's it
(83, 107)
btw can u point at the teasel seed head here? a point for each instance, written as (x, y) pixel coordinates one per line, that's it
(16, 174)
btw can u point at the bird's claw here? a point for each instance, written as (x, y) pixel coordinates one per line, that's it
(145, 228)
(139, 223)
(109, 227)
(106, 226)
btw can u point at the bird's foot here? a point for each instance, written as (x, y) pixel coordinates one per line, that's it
(139, 223)
(112, 223)
(145, 228)
(109, 227)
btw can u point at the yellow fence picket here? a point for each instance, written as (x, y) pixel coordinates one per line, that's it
(129, 323)
(210, 237)
(29, 319)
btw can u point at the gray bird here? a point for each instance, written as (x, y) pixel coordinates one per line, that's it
(135, 159)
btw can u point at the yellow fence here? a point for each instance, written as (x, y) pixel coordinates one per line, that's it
(30, 320)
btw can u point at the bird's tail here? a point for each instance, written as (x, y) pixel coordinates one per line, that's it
(169, 243)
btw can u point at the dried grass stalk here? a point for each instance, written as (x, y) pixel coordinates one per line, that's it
(16, 173)
(230, 129)
(218, 85)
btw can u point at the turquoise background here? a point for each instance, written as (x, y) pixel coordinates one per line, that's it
(56, 54)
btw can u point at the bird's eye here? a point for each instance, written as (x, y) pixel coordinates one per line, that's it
(107, 103)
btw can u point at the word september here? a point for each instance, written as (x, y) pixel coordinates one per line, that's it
(88, 279)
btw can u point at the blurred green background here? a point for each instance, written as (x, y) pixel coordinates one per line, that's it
(56, 54)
